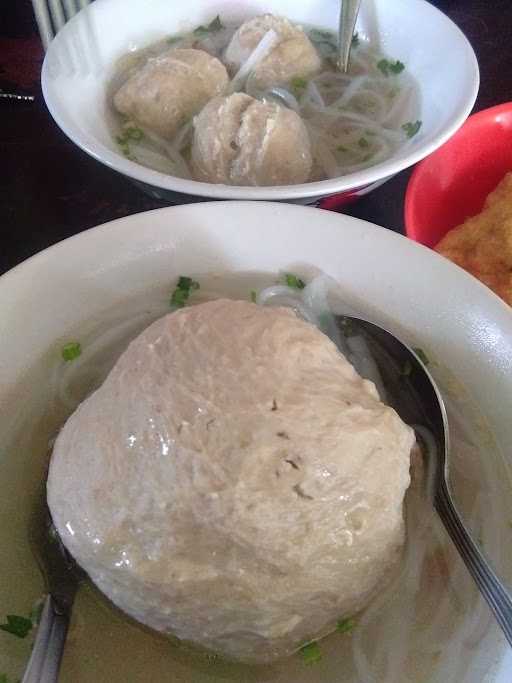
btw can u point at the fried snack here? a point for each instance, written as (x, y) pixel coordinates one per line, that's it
(482, 245)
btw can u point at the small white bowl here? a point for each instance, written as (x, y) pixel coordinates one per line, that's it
(79, 62)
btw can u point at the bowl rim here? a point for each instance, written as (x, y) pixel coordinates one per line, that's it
(414, 184)
(322, 188)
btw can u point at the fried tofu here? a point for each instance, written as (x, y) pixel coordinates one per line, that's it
(482, 245)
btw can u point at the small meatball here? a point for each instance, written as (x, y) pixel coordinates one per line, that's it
(170, 89)
(239, 140)
(294, 56)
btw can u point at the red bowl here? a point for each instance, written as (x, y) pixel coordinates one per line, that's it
(451, 184)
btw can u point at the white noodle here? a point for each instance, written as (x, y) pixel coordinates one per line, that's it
(349, 92)
(262, 49)
(283, 95)
(314, 95)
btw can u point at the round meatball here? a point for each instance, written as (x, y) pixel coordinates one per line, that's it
(233, 481)
(294, 55)
(239, 140)
(169, 89)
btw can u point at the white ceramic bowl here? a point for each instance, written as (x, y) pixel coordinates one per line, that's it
(79, 62)
(384, 276)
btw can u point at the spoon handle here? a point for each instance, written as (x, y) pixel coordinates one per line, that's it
(348, 15)
(44, 662)
(497, 596)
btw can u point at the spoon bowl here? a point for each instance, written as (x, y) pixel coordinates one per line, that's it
(412, 392)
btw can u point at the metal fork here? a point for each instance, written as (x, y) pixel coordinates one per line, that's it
(51, 15)
(62, 577)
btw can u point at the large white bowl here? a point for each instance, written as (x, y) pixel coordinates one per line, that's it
(398, 283)
(79, 62)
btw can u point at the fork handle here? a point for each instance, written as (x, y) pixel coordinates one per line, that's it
(44, 663)
(490, 586)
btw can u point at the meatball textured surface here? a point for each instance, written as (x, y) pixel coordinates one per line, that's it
(239, 140)
(294, 56)
(169, 89)
(233, 481)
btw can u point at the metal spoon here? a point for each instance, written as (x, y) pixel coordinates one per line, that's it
(416, 398)
(348, 16)
(62, 576)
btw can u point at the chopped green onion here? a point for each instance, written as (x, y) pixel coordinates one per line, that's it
(345, 625)
(421, 355)
(341, 148)
(411, 128)
(253, 296)
(134, 133)
(388, 67)
(184, 287)
(347, 327)
(17, 626)
(363, 142)
(311, 653)
(298, 83)
(71, 351)
(294, 281)
(214, 26)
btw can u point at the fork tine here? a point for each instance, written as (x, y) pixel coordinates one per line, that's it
(57, 13)
(43, 20)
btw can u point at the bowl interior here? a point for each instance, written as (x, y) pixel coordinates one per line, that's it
(453, 182)
(382, 276)
(79, 63)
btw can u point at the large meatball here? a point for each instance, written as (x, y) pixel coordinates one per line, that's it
(169, 89)
(294, 55)
(233, 481)
(242, 141)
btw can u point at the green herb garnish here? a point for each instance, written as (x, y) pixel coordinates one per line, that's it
(341, 148)
(347, 327)
(294, 281)
(411, 128)
(355, 40)
(173, 39)
(185, 286)
(133, 133)
(17, 626)
(214, 26)
(311, 653)
(298, 84)
(388, 67)
(71, 350)
(421, 355)
(345, 625)
(130, 133)
(363, 143)
(253, 296)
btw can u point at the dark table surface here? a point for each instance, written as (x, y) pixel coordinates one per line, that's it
(50, 189)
